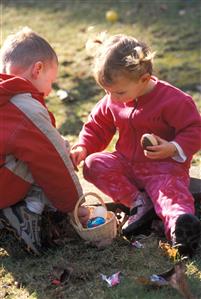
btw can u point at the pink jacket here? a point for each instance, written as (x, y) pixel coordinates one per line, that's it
(166, 111)
(31, 149)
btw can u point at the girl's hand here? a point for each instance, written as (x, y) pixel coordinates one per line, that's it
(78, 154)
(163, 150)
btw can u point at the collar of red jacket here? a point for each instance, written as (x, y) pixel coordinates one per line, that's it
(11, 85)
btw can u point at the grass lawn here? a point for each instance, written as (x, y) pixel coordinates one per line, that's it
(172, 27)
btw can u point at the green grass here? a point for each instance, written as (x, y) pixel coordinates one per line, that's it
(33, 276)
(176, 39)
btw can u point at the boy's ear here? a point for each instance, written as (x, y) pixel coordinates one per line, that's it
(145, 78)
(37, 69)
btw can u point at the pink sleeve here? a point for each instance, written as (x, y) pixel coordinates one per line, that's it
(98, 131)
(186, 120)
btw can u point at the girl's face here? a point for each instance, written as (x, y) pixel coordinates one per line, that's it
(125, 90)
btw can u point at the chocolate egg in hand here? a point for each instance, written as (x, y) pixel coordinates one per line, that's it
(148, 140)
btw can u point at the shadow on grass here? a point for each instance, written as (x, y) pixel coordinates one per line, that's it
(84, 91)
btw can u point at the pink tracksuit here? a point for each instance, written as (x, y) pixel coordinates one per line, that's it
(167, 112)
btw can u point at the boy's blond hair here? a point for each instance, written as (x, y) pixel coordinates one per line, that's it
(25, 48)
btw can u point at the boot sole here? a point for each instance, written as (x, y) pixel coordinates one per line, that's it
(25, 246)
(188, 233)
(135, 226)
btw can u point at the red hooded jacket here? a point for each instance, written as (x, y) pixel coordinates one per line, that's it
(31, 149)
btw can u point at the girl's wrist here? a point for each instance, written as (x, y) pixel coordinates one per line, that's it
(174, 151)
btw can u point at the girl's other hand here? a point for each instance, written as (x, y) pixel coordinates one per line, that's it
(163, 150)
(78, 154)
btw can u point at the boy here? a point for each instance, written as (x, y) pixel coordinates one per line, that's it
(35, 166)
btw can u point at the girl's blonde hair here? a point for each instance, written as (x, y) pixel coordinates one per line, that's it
(24, 48)
(121, 55)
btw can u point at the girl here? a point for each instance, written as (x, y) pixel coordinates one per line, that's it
(136, 103)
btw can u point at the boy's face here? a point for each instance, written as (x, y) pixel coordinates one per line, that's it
(41, 75)
(46, 76)
(125, 90)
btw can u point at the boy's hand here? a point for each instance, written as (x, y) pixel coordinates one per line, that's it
(78, 154)
(163, 150)
(83, 215)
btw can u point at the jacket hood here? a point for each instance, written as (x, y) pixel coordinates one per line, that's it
(11, 85)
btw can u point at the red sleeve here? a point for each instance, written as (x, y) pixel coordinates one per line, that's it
(48, 162)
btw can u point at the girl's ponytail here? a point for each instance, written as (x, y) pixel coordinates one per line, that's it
(93, 45)
(138, 56)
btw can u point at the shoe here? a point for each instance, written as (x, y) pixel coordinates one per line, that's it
(24, 224)
(142, 212)
(2, 226)
(186, 236)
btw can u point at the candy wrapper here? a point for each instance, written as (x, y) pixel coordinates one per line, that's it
(60, 274)
(112, 280)
(175, 277)
(137, 244)
(158, 280)
(64, 95)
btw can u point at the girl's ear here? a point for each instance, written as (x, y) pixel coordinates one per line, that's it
(37, 69)
(145, 78)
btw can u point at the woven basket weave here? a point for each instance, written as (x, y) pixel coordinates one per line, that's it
(108, 230)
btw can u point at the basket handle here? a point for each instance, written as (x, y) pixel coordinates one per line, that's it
(80, 201)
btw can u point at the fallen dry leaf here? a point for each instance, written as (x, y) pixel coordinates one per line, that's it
(178, 280)
(168, 250)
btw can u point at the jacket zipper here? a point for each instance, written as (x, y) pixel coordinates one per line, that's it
(130, 120)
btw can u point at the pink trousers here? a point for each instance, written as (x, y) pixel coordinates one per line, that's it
(166, 184)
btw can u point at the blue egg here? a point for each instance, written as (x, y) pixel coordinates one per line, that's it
(93, 222)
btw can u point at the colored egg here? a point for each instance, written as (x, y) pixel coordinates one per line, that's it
(93, 222)
(99, 212)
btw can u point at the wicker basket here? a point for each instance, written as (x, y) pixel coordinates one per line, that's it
(108, 230)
